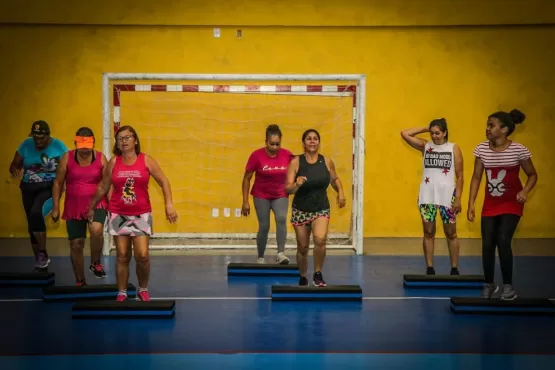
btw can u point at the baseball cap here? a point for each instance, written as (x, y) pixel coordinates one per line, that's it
(40, 128)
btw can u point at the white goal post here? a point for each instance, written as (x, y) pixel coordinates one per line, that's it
(346, 85)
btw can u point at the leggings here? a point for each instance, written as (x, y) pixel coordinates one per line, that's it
(37, 203)
(263, 207)
(498, 231)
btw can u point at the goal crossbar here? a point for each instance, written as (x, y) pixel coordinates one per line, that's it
(301, 84)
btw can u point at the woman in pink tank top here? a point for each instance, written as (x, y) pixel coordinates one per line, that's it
(130, 221)
(81, 171)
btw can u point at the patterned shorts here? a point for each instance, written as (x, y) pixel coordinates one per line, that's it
(120, 225)
(299, 218)
(429, 213)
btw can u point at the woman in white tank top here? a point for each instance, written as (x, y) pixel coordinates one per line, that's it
(440, 189)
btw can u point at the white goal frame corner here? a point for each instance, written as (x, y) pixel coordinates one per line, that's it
(222, 83)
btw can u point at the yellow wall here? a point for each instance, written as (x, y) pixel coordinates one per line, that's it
(469, 67)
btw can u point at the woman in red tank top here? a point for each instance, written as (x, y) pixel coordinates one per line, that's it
(130, 222)
(81, 171)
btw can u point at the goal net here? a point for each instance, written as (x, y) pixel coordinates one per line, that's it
(202, 132)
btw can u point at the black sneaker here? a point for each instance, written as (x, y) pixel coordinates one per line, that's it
(430, 271)
(303, 281)
(454, 271)
(318, 280)
(98, 270)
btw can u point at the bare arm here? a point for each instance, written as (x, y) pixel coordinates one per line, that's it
(459, 172)
(59, 181)
(530, 171)
(334, 179)
(16, 165)
(409, 135)
(474, 186)
(291, 186)
(335, 183)
(104, 185)
(247, 185)
(161, 179)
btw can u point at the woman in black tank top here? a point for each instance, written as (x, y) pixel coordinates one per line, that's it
(308, 177)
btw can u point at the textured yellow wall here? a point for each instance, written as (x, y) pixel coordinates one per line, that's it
(423, 59)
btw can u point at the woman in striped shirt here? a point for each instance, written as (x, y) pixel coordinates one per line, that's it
(501, 159)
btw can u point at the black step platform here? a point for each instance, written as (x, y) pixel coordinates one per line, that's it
(519, 306)
(258, 269)
(311, 293)
(89, 292)
(26, 278)
(130, 309)
(444, 281)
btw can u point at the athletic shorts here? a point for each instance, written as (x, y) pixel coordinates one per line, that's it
(120, 225)
(77, 229)
(429, 212)
(299, 218)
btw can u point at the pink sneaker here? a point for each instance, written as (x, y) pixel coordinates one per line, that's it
(121, 298)
(143, 296)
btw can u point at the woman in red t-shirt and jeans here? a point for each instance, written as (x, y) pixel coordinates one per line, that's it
(268, 191)
(505, 196)
(130, 222)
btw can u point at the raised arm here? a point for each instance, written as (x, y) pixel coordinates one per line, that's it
(158, 175)
(409, 135)
(474, 186)
(459, 174)
(58, 186)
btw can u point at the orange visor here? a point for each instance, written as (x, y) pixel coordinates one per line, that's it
(84, 142)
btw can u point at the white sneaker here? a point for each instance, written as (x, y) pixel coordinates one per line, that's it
(261, 261)
(282, 259)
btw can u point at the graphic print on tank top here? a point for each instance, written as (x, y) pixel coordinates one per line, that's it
(130, 181)
(438, 177)
(437, 159)
(128, 192)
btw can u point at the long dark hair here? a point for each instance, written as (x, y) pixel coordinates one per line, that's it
(116, 150)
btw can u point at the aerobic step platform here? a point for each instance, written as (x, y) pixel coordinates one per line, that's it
(26, 278)
(130, 309)
(311, 293)
(256, 269)
(444, 281)
(519, 306)
(89, 292)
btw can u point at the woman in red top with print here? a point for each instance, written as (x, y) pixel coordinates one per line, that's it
(268, 192)
(81, 172)
(505, 196)
(130, 221)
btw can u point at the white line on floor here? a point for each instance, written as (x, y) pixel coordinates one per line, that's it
(249, 299)
(236, 299)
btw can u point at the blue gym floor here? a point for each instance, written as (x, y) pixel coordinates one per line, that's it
(230, 323)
